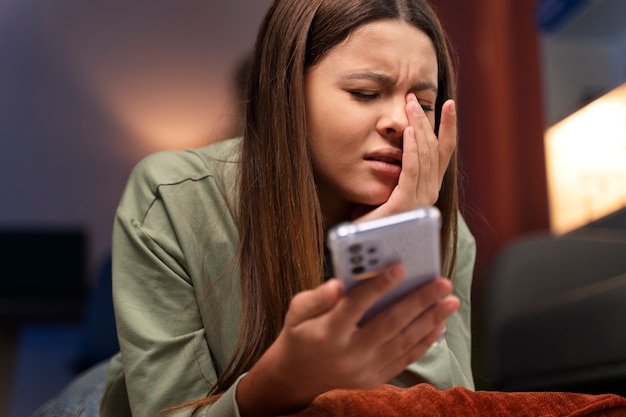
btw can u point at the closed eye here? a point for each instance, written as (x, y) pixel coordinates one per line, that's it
(359, 95)
(426, 107)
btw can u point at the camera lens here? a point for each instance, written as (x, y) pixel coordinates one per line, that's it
(355, 249)
(358, 270)
(356, 259)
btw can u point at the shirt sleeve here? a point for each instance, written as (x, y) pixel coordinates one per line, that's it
(459, 336)
(448, 363)
(166, 358)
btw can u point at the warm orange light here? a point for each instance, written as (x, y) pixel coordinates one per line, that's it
(173, 108)
(586, 162)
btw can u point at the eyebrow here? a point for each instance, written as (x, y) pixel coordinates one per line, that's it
(387, 80)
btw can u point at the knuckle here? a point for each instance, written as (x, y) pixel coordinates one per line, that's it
(394, 320)
(417, 352)
(448, 147)
(346, 366)
(433, 196)
(408, 340)
(412, 169)
(362, 381)
(293, 310)
(296, 302)
(320, 337)
(436, 315)
(423, 149)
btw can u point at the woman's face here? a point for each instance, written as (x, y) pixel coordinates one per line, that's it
(356, 111)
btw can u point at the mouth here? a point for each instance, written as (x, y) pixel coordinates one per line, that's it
(386, 159)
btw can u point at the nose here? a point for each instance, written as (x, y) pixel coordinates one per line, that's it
(393, 120)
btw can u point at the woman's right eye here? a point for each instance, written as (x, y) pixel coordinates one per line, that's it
(359, 95)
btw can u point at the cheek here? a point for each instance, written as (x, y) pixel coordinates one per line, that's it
(325, 109)
(327, 127)
(330, 141)
(319, 135)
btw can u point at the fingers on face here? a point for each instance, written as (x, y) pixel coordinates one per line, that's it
(424, 131)
(442, 146)
(427, 148)
(410, 158)
(447, 135)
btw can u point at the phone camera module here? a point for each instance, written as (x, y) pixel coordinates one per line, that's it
(364, 258)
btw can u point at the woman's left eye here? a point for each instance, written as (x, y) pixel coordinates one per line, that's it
(359, 95)
(426, 107)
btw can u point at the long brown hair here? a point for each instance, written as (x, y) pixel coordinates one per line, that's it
(281, 247)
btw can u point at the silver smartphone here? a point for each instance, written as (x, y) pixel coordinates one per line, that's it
(361, 250)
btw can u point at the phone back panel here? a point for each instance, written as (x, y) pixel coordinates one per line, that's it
(361, 250)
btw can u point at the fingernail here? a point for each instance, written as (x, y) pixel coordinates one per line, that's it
(453, 108)
(442, 335)
(395, 273)
(411, 132)
(450, 308)
(443, 290)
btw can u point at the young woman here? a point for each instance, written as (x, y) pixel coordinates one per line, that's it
(222, 288)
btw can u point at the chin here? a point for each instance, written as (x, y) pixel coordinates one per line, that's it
(377, 199)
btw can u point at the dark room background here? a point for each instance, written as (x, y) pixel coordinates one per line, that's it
(88, 88)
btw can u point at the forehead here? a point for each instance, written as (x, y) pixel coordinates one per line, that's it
(390, 46)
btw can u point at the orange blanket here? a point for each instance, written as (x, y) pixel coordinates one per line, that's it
(427, 401)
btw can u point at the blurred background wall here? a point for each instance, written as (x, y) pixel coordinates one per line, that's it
(88, 88)
(500, 119)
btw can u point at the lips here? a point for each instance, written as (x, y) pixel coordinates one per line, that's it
(386, 159)
(386, 162)
(388, 155)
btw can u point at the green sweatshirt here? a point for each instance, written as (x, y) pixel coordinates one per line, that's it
(178, 314)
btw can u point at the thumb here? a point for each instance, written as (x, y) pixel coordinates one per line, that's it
(312, 303)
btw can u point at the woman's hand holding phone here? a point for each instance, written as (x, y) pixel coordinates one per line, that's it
(322, 347)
